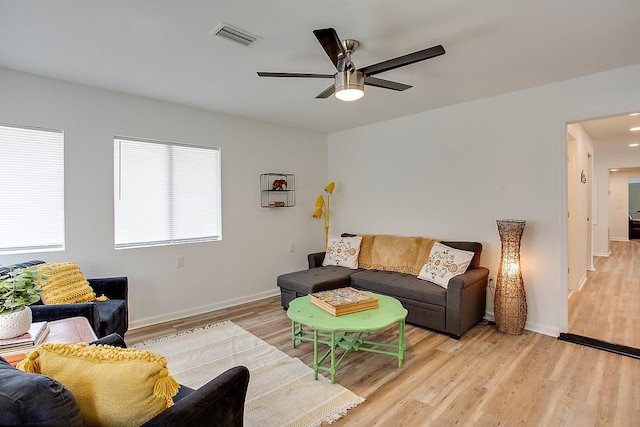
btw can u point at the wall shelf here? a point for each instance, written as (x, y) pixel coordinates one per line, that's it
(277, 190)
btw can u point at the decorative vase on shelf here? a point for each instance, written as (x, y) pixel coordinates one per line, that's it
(15, 324)
(510, 303)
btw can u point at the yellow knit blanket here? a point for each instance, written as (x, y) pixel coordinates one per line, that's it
(394, 253)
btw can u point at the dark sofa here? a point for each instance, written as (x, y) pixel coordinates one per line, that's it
(38, 400)
(634, 227)
(105, 317)
(452, 311)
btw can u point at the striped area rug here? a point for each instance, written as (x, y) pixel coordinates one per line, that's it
(282, 391)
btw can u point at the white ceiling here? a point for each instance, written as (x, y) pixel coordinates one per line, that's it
(612, 135)
(162, 49)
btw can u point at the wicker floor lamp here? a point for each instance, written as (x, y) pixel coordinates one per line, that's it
(510, 303)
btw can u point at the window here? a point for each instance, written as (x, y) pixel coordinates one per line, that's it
(165, 193)
(31, 189)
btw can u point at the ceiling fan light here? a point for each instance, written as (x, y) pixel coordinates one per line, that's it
(349, 85)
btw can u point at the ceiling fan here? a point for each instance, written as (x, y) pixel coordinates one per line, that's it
(349, 81)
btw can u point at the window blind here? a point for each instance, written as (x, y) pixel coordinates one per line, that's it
(31, 189)
(165, 193)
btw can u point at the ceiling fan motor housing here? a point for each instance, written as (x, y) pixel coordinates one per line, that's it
(346, 80)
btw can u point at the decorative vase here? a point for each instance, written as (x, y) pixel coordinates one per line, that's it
(15, 324)
(510, 303)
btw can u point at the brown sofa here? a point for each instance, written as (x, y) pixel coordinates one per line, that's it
(452, 310)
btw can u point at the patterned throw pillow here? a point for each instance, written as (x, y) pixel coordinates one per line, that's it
(343, 252)
(64, 283)
(444, 263)
(113, 386)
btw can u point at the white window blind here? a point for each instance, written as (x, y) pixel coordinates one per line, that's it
(165, 193)
(31, 189)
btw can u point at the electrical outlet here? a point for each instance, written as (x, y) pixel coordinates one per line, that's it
(292, 248)
(492, 282)
(180, 261)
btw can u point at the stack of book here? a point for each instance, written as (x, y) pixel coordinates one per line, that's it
(344, 301)
(25, 342)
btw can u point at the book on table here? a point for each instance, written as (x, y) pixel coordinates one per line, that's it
(343, 301)
(27, 341)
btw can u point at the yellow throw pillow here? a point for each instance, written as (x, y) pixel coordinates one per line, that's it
(113, 386)
(64, 283)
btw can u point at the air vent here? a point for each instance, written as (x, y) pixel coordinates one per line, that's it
(235, 34)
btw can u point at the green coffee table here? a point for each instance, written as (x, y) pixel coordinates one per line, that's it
(346, 331)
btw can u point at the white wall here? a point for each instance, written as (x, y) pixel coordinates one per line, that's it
(255, 246)
(450, 173)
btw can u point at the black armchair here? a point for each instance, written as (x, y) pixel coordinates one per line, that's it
(38, 400)
(218, 402)
(105, 317)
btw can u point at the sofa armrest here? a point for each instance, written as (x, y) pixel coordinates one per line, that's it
(111, 287)
(468, 278)
(315, 259)
(466, 300)
(49, 313)
(218, 402)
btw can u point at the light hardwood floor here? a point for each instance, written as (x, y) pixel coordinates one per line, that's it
(484, 379)
(608, 305)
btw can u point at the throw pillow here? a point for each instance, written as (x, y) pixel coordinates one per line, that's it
(113, 386)
(444, 263)
(64, 283)
(36, 400)
(343, 252)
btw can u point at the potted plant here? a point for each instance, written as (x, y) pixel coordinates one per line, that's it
(18, 289)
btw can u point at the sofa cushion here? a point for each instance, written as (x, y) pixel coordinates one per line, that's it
(113, 386)
(64, 283)
(342, 252)
(316, 279)
(444, 263)
(35, 400)
(399, 285)
(474, 247)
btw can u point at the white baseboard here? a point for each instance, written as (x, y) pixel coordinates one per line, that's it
(175, 315)
(181, 314)
(604, 254)
(533, 327)
(543, 329)
(582, 282)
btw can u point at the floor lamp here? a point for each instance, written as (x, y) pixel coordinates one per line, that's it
(323, 210)
(510, 303)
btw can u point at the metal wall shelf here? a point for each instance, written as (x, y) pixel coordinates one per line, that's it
(277, 190)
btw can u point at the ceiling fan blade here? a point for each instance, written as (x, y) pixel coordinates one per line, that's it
(387, 84)
(327, 92)
(312, 76)
(331, 44)
(401, 61)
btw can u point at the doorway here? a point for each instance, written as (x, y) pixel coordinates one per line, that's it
(606, 302)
